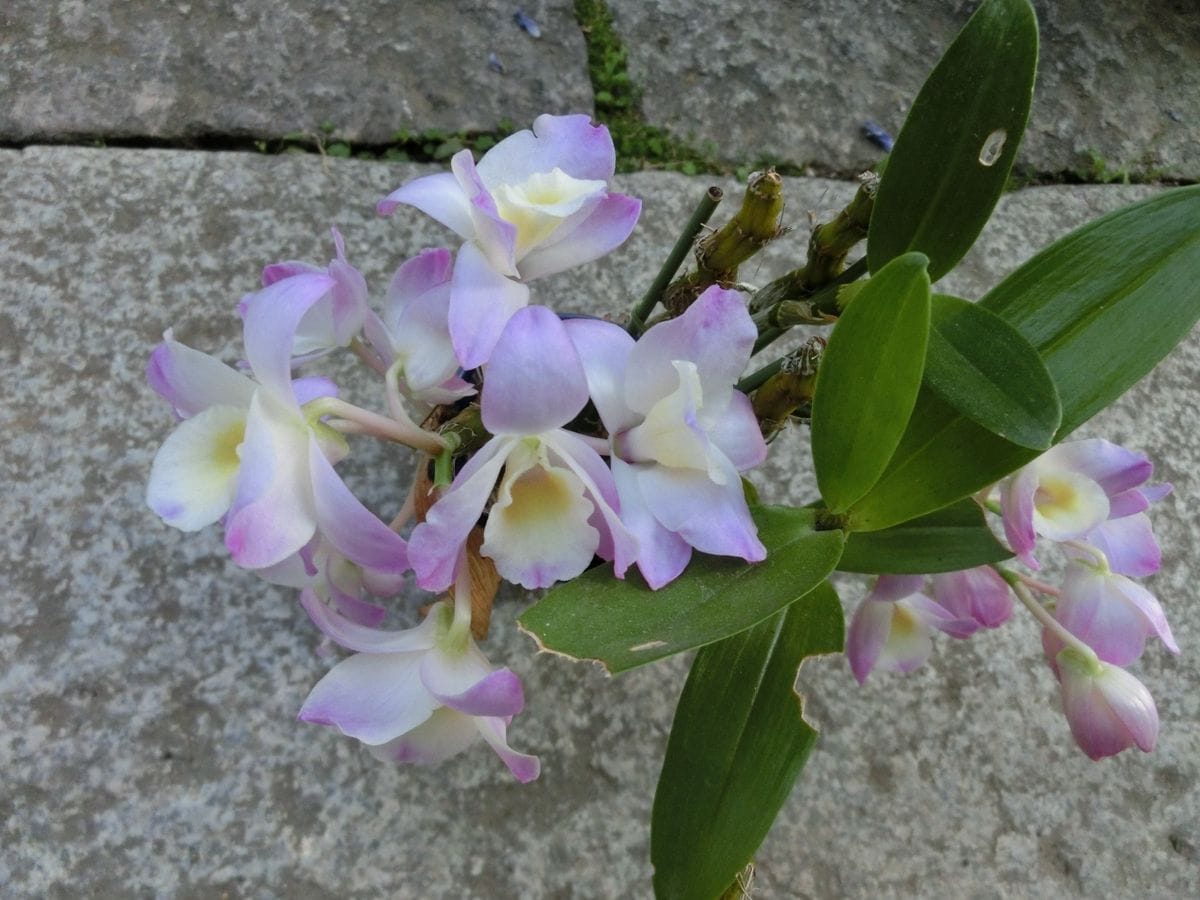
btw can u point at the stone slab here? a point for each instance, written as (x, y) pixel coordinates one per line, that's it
(793, 82)
(148, 687)
(148, 69)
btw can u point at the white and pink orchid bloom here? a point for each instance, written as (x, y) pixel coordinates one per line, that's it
(413, 334)
(1108, 709)
(248, 453)
(680, 433)
(1109, 612)
(416, 696)
(556, 504)
(893, 626)
(338, 316)
(1072, 491)
(535, 204)
(979, 594)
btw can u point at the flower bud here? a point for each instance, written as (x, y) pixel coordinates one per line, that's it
(1107, 708)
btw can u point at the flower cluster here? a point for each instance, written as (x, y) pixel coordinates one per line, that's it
(652, 474)
(1089, 498)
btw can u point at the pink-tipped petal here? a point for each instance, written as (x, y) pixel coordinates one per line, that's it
(286, 269)
(736, 433)
(867, 635)
(1016, 503)
(662, 555)
(273, 515)
(524, 767)
(358, 637)
(979, 593)
(716, 333)
(273, 316)
(439, 196)
(598, 233)
(433, 547)
(1112, 466)
(571, 143)
(890, 588)
(1108, 709)
(604, 349)
(495, 237)
(535, 381)
(498, 693)
(352, 528)
(931, 614)
(444, 734)
(482, 300)
(1129, 544)
(374, 697)
(429, 269)
(192, 381)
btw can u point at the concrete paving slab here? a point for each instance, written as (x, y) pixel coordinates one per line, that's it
(1118, 83)
(148, 687)
(142, 68)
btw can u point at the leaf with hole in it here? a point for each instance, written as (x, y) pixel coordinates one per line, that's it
(737, 743)
(946, 540)
(1101, 306)
(951, 160)
(868, 380)
(986, 370)
(623, 624)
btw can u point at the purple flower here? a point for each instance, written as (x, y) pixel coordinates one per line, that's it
(537, 203)
(416, 696)
(1107, 708)
(892, 627)
(680, 432)
(555, 505)
(1073, 491)
(978, 594)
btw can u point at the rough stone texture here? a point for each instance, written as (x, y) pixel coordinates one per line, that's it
(144, 68)
(793, 82)
(148, 687)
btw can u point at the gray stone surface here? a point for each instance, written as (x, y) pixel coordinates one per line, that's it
(793, 81)
(144, 68)
(148, 687)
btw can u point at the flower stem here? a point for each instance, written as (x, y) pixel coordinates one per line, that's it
(363, 421)
(1046, 620)
(368, 356)
(645, 306)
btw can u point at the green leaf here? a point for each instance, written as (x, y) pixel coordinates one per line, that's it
(986, 370)
(737, 743)
(868, 380)
(953, 155)
(946, 540)
(1101, 306)
(623, 624)
(1105, 303)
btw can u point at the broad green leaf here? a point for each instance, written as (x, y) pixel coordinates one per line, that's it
(737, 743)
(986, 370)
(1102, 306)
(953, 155)
(1105, 303)
(868, 380)
(946, 540)
(623, 624)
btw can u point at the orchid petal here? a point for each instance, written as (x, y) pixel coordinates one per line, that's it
(354, 636)
(439, 196)
(272, 318)
(495, 237)
(604, 350)
(374, 697)
(1111, 614)
(433, 548)
(716, 333)
(600, 230)
(1108, 710)
(736, 433)
(570, 143)
(312, 387)
(979, 593)
(348, 525)
(662, 555)
(1129, 544)
(1110, 465)
(286, 269)
(443, 735)
(497, 693)
(867, 635)
(1067, 504)
(272, 515)
(429, 269)
(192, 381)
(1016, 501)
(482, 300)
(524, 767)
(930, 613)
(890, 588)
(535, 381)
(908, 643)
(194, 476)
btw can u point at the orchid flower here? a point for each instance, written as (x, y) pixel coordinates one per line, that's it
(536, 203)
(413, 335)
(556, 504)
(892, 627)
(249, 453)
(420, 695)
(680, 432)
(1107, 708)
(978, 594)
(1073, 491)
(338, 316)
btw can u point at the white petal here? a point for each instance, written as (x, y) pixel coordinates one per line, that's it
(374, 697)
(194, 477)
